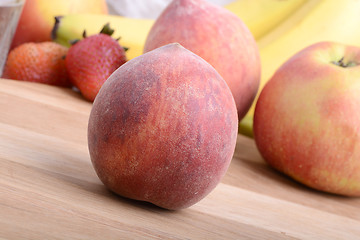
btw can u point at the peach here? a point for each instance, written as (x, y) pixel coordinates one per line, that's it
(38, 17)
(163, 128)
(218, 36)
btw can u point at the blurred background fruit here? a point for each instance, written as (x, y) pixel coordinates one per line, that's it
(37, 17)
(38, 62)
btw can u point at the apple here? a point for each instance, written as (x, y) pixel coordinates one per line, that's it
(163, 128)
(307, 118)
(219, 37)
(38, 17)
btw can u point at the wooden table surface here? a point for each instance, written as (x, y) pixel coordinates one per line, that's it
(49, 189)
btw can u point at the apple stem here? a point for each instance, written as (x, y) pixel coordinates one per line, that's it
(341, 63)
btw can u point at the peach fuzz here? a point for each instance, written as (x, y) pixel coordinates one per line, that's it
(163, 128)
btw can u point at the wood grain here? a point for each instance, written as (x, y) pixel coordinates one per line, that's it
(49, 190)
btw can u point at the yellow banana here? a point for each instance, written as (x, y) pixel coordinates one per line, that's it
(132, 32)
(289, 23)
(329, 20)
(263, 15)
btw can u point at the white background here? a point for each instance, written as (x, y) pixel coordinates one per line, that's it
(145, 8)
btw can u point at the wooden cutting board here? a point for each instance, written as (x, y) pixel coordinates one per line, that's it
(49, 190)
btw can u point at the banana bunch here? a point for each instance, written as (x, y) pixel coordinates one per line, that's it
(281, 29)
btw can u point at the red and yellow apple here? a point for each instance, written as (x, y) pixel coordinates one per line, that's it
(219, 37)
(163, 128)
(38, 17)
(307, 118)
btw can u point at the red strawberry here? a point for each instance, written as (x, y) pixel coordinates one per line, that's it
(38, 62)
(92, 60)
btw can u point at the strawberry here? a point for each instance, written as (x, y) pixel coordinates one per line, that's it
(38, 62)
(91, 60)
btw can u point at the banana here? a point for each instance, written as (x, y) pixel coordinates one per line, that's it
(132, 32)
(261, 16)
(328, 20)
(288, 24)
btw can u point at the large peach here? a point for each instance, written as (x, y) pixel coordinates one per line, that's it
(163, 128)
(38, 17)
(218, 36)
